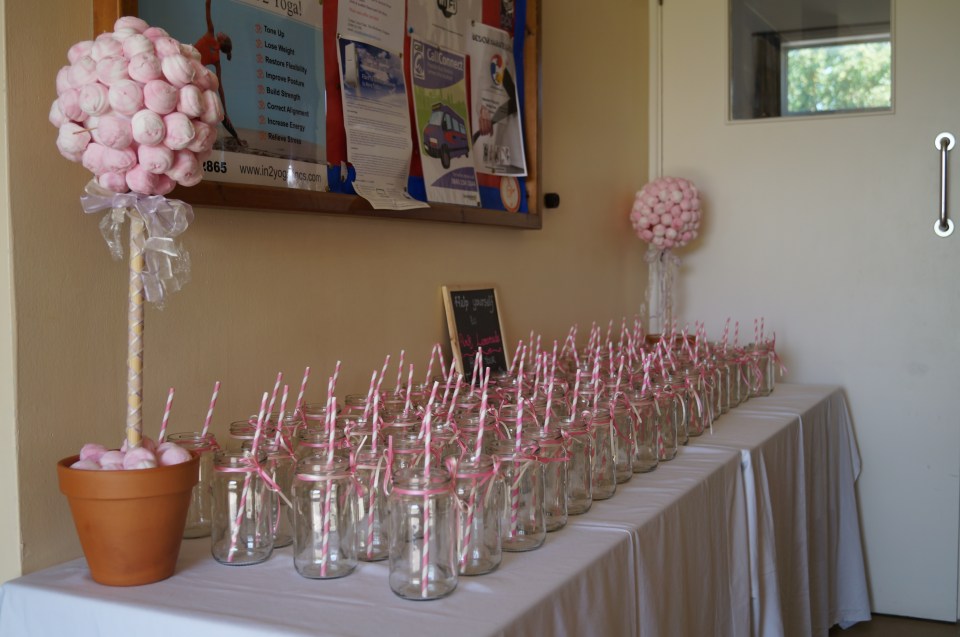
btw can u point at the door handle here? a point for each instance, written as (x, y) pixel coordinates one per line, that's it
(944, 225)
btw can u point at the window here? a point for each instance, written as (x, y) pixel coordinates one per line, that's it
(809, 57)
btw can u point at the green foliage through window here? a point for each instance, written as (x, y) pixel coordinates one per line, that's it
(842, 77)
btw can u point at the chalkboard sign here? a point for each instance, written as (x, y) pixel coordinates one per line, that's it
(473, 320)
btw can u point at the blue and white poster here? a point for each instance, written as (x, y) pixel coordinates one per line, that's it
(268, 57)
(443, 127)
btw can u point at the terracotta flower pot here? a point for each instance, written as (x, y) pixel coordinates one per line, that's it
(130, 523)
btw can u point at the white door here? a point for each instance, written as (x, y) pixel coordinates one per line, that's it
(824, 227)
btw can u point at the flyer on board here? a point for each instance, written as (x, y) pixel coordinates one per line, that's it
(443, 127)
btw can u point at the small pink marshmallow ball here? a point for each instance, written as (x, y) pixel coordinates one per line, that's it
(139, 458)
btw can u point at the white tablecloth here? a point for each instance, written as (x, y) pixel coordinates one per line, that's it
(715, 542)
(800, 462)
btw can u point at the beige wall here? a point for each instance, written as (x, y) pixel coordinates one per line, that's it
(275, 292)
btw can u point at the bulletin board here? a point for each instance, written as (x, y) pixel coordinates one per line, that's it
(473, 182)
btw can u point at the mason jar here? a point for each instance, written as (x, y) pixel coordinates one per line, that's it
(668, 411)
(522, 522)
(697, 401)
(619, 410)
(205, 446)
(278, 466)
(675, 384)
(325, 539)
(579, 447)
(646, 433)
(604, 474)
(480, 492)
(373, 529)
(553, 458)
(423, 534)
(241, 530)
(315, 440)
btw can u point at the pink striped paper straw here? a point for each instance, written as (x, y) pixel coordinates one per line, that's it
(433, 355)
(726, 334)
(446, 385)
(736, 334)
(303, 388)
(376, 423)
(553, 373)
(258, 431)
(515, 488)
(336, 375)
(213, 403)
(397, 389)
(383, 374)
(483, 415)
(331, 426)
(453, 401)
(761, 329)
(408, 403)
(283, 410)
(166, 417)
(273, 395)
(368, 402)
(477, 363)
(425, 563)
(516, 353)
(443, 364)
(756, 331)
(576, 393)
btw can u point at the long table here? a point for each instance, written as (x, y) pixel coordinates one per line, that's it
(736, 536)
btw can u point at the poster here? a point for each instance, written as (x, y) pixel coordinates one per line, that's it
(497, 136)
(445, 23)
(377, 123)
(443, 127)
(269, 59)
(378, 22)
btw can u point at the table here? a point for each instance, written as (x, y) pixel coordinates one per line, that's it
(704, 545)
(800, 462)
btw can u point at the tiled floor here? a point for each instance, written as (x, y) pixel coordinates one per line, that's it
(890, 626)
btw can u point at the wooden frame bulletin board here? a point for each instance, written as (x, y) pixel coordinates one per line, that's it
(216, 194)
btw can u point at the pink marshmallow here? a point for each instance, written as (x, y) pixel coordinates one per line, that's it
(159, 97)
(131, 22)
(203, 77)
(139, 458)
(112, 460)
(112, 69)
(86, 465)
(141, 181)
(191, 101)
(93, 158)
(114, 182)
(177, 69)
(93, 99)
(165, 185)
(56, 116)
(83, 71)
(135, 45)
(79, 50)
(65, 79)
(148, 127)
(92, 451)
(145, 441)
(166, 45)
(156, 32)
(155, 159)
(113, 132)
(72, 139)
(170, 453)
(126, 97)
(186, 169)
(180, 131)
(119, 161)
(204, 139)
(144, 67)
(106, 47)
(70, 105)
(189, 51)
(212, 108)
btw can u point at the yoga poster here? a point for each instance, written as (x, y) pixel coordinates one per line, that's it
(268, 57)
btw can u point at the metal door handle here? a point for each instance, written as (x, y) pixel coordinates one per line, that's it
(943, 226)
